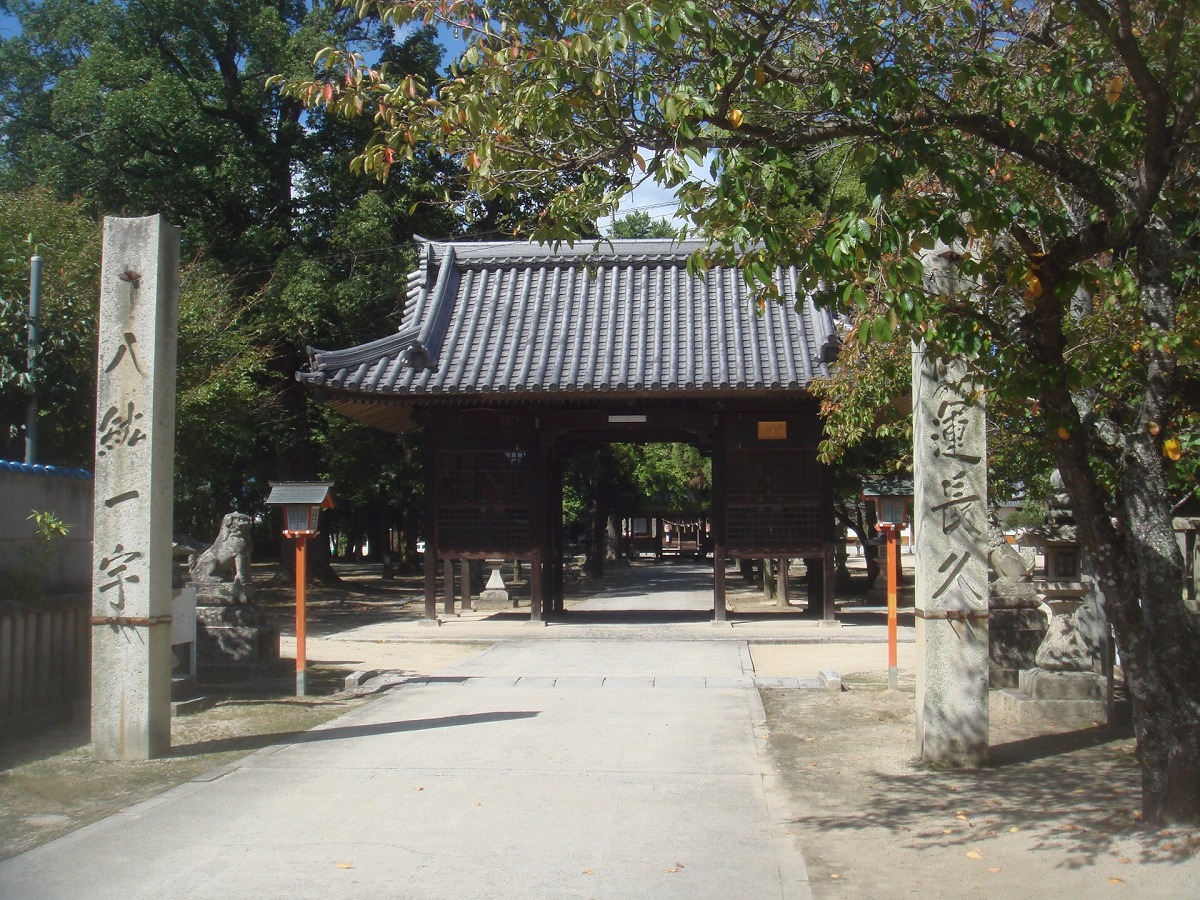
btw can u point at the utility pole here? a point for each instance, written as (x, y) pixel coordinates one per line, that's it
(35, 311)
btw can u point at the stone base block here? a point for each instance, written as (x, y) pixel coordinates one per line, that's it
(236, 647)
(183, 686)
(1025, 709)
(191, 706)
(1014, 635)
(222, 593)
(1040, 684)
(493, 598)
(1012, 595)
(829, 623)
(358, 679)
(230, 616)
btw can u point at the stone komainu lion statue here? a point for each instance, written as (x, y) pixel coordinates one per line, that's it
(229, 553)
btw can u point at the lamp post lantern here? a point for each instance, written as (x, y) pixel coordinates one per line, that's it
(302, 502)
(892, 496)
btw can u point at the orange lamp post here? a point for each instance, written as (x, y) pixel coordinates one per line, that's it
(891, 508)
(890, 531)
(302, 502)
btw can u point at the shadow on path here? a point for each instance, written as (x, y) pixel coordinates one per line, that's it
(344, 732)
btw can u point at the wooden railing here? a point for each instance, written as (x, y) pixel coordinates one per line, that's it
(45, 662)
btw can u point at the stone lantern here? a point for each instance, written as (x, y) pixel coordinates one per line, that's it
(1068, 679)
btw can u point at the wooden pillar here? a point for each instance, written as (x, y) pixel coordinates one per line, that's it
(448, 586)
(554, 565)
(430, 582)
(828, 566)
(829, 608)
(431, 536)
(536, 586)
(538, 606)
(720, 611)
(781, 582)
(468, 582)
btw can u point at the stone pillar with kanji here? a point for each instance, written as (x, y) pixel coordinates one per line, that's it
(951, 542)
(135, 446)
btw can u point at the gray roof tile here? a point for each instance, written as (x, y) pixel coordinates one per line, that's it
(622, 316)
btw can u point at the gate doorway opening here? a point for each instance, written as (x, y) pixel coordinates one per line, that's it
(637, 529)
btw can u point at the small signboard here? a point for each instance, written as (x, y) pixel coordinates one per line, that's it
(772, 431)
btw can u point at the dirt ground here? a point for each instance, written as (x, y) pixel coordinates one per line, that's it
(1054, 814)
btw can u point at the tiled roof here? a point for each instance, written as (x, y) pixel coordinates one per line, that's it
(891, 485)
(302, 493)
(621, 316)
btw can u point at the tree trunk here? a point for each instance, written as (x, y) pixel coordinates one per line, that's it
(1141, 574)
(1140, 566)
(612, 540)
(770, 581)
(593, 563)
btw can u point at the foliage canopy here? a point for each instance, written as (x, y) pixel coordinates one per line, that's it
(1048, 149)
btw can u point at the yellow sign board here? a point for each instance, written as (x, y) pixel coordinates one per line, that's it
(772, 431)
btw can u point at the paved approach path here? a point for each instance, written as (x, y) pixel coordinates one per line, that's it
(541, 768)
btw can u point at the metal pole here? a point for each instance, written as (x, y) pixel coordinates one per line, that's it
(35, 312)
(893, 560)
(301, 542)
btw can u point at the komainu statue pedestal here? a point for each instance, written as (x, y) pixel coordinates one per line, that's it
(232, 633)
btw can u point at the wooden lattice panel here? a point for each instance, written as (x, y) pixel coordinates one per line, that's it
(483, 500)
(775, 527)
(771, 475)
(773, 499)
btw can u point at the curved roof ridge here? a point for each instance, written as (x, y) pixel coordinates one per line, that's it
(601, 249)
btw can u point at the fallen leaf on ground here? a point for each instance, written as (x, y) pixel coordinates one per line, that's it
(1113, 879)
(994, 869)
(344, 866)
(1124, 860)
(589, 871)
(835, 875)
(961, 816)
(418, 788)
(974, 854)
(675, 868)
(1013, 829)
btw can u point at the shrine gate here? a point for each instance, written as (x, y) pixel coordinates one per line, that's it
(510, 355)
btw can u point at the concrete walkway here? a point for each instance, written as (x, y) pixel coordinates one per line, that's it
(541, 768)
(671, 601)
